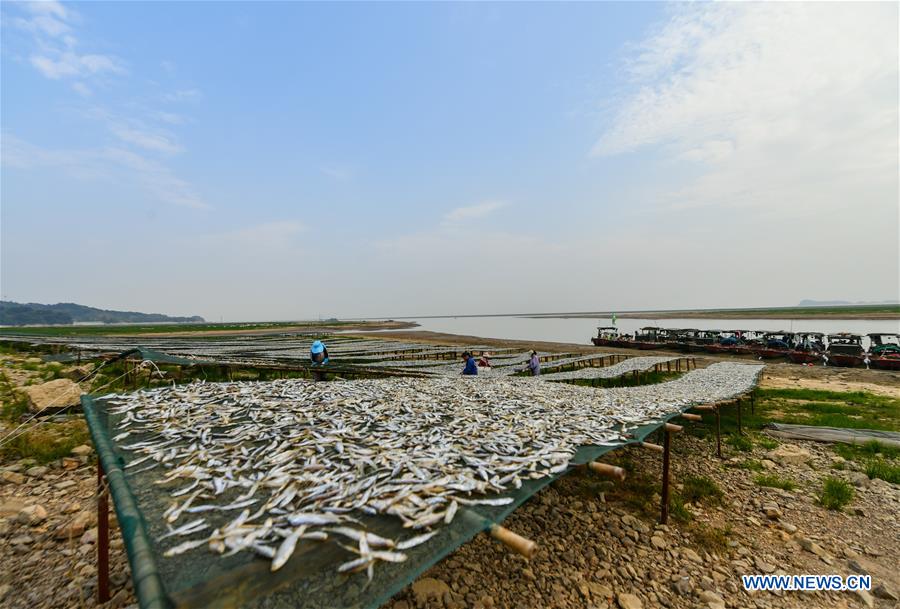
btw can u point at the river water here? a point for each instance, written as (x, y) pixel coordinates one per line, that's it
(581, 330)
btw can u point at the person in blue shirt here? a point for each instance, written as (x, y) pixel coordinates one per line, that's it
(318, 353)
(471, 368)
(534, 364)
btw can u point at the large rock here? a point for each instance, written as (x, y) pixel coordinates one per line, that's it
(712, 600)
(61, 392)
(75, 528)
(429, 587)
(691, 555)
(32, 514)
(12, 477)
(789, 454)
(37, 471)
(629, 601)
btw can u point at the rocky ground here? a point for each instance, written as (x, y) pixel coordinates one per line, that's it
(48, 528)
(597, 550)
(599, 542)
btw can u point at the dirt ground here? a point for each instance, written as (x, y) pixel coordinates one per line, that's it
(599, 545)
(595, 547)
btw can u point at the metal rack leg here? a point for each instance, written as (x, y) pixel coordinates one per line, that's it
(102, 537)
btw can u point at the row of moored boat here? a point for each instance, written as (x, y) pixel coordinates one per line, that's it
(842, 349)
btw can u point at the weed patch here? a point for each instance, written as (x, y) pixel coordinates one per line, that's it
(47, 442)
(740, 443)
(836, 493)
(700, 488)
(711, 538)
(879, 468)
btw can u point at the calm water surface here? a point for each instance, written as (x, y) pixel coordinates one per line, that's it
(580, 330)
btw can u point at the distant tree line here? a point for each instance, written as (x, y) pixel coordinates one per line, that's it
(67, 313)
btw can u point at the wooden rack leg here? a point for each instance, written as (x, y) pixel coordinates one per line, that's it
(664, 508)
(513, 541)
(102, 537)
(752, 404)
(610, 471)
(740, 428)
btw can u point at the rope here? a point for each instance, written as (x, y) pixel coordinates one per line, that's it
(54, 400)
(13, 435)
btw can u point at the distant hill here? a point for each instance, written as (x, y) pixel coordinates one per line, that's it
(838, 303)
(67, 313)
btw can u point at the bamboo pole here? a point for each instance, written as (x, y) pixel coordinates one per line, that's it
(691, 417)
(653, 447)
(672, 428)
(513, 541)
(605, 469)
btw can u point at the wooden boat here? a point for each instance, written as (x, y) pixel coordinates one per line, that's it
(607, 336)
(699, 340)
(809, 348)
(805, 357)
(684, 339)
(884, 351)
(729, 342)
(845, 350)
(649, 338)
(888, 361)
(774, 345)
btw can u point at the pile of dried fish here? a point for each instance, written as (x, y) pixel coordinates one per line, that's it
(300, 462)
(609, 372)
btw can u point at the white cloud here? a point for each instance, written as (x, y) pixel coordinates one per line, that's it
(143, 138)
(64, 64)
(472, 212)
(43, 24)
(774, 106)
(50, 24)
(755, 123)
(107, 164)
(48, 8)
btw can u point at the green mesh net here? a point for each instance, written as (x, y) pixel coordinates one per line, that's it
(310, 578)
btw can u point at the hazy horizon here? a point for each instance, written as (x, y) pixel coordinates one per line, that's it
(286, 161)
(484, 313)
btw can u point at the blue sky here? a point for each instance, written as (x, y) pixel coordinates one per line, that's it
(284, 160)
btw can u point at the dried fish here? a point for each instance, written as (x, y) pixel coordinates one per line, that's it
(311, 456)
